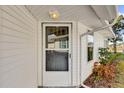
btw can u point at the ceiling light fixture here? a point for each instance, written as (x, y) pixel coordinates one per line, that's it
(54, 14)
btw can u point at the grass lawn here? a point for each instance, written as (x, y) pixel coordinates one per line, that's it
(119, 78)
(121, 57)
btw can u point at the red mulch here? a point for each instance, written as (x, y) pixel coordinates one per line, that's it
(92, 82)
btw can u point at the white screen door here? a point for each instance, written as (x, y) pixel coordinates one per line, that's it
(56, 55)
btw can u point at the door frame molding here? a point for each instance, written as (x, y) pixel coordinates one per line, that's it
(42, 33)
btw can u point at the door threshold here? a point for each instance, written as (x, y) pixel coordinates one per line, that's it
(58, 86)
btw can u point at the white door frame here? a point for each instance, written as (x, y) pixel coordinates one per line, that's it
(70, 46)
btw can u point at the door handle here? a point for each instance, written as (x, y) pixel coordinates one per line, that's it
(69, 55)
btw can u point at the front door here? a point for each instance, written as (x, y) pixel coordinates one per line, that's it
(56, 55)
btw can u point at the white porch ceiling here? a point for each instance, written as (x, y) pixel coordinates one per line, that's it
(91, 16)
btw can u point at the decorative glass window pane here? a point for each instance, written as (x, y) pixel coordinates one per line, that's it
(90, 47)
(56, 60)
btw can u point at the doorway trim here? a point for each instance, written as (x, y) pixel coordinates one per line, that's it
(42, 59)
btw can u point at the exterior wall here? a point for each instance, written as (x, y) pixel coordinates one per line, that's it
(86, 67)
(99, 42)
(18, 63)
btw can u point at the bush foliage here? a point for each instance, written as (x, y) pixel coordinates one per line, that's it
(106, 72)
(104, 55)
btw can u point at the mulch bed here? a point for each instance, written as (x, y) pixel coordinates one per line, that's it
(94, 82)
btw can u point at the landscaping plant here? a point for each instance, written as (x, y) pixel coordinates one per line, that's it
(105, 72)
(104, 55)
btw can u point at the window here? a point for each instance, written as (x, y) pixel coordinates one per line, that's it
(63, 44)
(90, 39)
(57, 37)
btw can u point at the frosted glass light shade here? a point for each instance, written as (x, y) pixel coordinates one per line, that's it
(54, 14)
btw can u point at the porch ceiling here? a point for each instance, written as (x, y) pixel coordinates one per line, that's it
(91, 16)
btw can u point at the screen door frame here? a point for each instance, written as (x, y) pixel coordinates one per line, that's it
(46, 74)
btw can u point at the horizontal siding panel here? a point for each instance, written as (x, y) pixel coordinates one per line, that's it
(9, 65)
(15, 32)
(6, 60)
(26, 12)
(12, 19)
(19, 54)
(0, 20)
(8, 38)
(23, 18)
(8, 46)
(12, 52)
(13, 13)
(14, 36)
(9, 24)
(8, 83)
(18, 30)
(12, 42)
(10, 31)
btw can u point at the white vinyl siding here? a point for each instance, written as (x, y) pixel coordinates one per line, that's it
(98, 43)
(86, 67)
(18, 65)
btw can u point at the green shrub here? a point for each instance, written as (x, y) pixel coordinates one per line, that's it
(104, 55)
